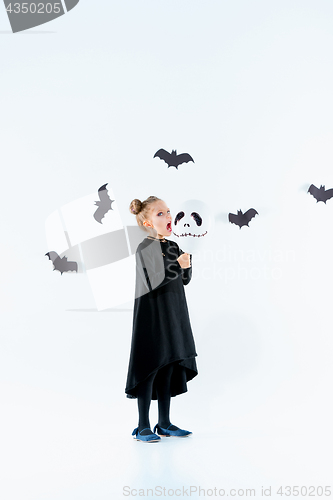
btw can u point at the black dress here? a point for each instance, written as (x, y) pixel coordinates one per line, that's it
(162, 331)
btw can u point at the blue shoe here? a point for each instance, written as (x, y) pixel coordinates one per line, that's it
(148, 438)
(168, 433)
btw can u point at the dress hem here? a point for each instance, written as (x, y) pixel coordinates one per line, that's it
(156, 370)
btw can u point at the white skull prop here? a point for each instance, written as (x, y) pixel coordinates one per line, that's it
(192, 224)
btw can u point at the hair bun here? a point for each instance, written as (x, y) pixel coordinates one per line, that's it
(135, 206)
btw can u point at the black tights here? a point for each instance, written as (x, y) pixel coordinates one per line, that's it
(144, 394)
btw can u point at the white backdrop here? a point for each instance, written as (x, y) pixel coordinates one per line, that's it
(246, 89)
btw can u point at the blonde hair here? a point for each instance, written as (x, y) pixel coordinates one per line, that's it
(142, 209)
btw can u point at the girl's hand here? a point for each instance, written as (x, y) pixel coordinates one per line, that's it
(184, 260)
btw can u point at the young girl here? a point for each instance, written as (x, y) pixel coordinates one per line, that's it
(162, 358)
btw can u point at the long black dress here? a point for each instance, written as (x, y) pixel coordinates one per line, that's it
(162, 331)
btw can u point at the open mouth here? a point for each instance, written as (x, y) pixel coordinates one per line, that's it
(168, 226)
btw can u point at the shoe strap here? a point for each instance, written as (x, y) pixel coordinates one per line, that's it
(162, 428)
(136, 430)
(145, 429)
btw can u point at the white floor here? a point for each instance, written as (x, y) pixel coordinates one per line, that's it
(66, 423)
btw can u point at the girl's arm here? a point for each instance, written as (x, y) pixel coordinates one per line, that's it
(150, 265)
(186, 272)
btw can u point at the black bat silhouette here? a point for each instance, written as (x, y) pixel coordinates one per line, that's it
(104, 205)
(172, 159)
(241, 219)
(320, 194)
(61, 263)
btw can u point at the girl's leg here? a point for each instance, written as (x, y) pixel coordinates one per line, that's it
(163, 379)
(144, 393)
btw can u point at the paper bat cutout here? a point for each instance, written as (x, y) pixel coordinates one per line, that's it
(104, 205)
(61, 263)
(242, 219)
(320, 194)
(172, 159)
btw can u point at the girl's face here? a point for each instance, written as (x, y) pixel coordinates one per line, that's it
(160, 219)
